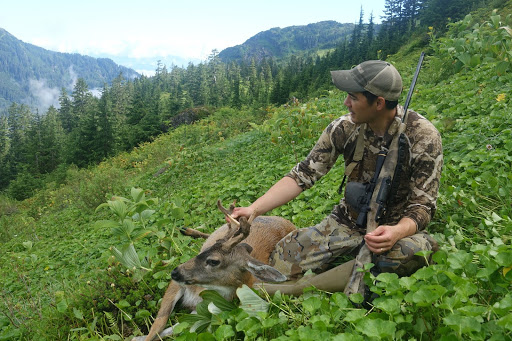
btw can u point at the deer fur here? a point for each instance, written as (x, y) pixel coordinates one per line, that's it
(237, 253)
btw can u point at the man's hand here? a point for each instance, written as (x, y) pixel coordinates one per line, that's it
(242, 212)
(381, 239)
(384, 237)
(282, 192)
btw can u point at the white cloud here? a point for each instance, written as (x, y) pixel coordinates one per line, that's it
(73, 76)
(44, 95)
(96, 92)
(193, 46)
(147, 73)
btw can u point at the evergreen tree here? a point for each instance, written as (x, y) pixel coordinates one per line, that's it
(81, 99)
(368, 46)
(140, 109)
(412, 10)
(121, 97)
(5, 141)
(20, 122)
(355, 40)
(52, 141)
(5, 146)
(391, 34)
(34, 146)
(104, 139)
(236, 100)
(67, 118)
(15, 142)
(214, 78)
(165, 107)
(83, 150)
(436, 13)
(254, 87)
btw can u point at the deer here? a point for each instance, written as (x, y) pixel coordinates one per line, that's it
(235, 254)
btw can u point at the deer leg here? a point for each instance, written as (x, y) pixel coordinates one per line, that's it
(172, 295)
(333, 280)
(193, 233)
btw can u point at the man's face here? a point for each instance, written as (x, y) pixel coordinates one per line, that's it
(361, 110)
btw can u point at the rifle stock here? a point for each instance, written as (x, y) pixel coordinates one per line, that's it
(362, 218)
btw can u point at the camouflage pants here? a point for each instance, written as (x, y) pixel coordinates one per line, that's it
(317, 246)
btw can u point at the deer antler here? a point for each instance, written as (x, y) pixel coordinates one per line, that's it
(253, 216)
(232, 206)
(228, 213)
(236, 236)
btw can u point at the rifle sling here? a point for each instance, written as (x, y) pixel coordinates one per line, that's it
(358, 154)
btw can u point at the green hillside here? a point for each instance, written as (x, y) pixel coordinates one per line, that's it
(72, 271)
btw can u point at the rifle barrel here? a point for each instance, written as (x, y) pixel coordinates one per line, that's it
(413, 83)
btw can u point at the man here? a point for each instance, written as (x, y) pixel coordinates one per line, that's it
(373, 89)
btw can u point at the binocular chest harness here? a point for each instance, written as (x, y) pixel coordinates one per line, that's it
(358, 195)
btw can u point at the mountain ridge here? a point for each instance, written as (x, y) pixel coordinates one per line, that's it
(33, 75)
(282, 42)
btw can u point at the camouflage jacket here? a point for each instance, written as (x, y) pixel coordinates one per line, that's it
(417, 191)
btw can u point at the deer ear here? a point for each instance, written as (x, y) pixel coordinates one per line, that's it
(264, 272)
(247, 247)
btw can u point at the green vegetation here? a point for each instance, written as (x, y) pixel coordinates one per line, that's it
(89, 257)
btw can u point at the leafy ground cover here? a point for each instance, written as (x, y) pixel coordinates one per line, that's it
(90, 259)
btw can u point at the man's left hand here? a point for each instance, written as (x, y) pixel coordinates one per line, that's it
(384, 237)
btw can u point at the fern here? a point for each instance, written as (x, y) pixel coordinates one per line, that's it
(112, 322)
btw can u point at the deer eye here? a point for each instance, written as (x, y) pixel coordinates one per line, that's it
(212, 262)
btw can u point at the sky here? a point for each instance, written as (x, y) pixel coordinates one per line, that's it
(138, 33)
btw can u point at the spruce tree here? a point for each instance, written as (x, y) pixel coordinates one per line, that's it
(5, 146)
(52, 141)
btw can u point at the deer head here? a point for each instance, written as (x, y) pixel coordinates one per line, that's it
(227, 263)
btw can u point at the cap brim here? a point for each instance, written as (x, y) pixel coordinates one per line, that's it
(344, 81)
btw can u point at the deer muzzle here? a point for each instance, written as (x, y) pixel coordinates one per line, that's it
(178, 277)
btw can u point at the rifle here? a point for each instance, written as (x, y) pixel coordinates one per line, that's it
(374, 201)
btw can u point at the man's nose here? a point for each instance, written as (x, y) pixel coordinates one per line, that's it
(347, 102)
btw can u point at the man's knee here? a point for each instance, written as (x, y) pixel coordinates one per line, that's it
(401, 259)
(313, 247)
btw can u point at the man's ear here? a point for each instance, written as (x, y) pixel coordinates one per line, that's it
(381, 103)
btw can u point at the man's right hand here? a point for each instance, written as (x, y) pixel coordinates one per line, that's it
(281, 193)
(242, 212)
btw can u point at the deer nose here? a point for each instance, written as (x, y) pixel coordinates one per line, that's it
(176, 275)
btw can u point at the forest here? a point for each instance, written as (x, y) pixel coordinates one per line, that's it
(84, 130)
(88, 254)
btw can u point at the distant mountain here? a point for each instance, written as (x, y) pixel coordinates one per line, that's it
(35, 76)
(147, 65)
(283, 42)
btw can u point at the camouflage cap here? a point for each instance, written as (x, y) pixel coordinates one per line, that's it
(376, 76)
